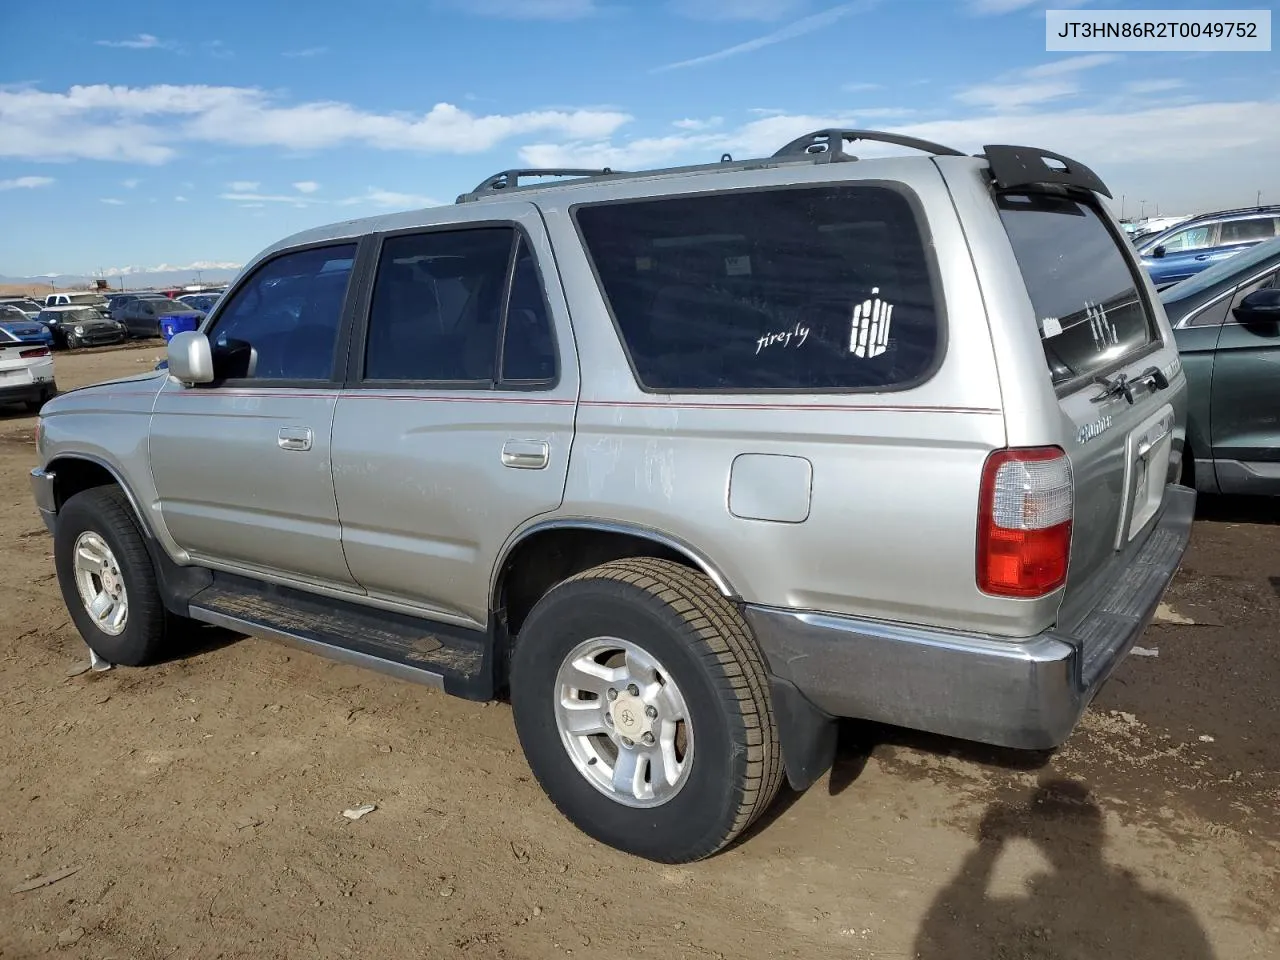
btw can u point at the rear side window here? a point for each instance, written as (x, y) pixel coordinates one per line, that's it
(794, 290)
(1086, 299)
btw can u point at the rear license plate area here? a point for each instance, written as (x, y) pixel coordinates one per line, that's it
(1147, 451)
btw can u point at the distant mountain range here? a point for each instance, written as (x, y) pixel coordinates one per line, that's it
(134, 278)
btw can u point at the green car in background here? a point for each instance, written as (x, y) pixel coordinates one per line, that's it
(1226, 320)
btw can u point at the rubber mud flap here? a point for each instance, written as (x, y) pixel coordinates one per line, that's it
(808, 735)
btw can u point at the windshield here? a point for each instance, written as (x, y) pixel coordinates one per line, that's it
(82, 314)
(1237, 265)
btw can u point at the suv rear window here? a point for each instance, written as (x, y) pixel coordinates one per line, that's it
(801, 289)
(1089, 309)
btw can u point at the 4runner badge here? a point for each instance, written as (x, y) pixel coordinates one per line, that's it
(1091, 431)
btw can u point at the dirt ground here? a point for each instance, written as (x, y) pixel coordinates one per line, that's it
(200, 803)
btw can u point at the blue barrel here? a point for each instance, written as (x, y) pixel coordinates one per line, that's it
(178, 323)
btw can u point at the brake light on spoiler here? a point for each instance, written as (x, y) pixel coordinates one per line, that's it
(1025, 509)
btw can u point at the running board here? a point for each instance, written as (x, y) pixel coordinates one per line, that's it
(450, 658)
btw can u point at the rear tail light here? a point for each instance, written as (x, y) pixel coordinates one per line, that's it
(1024, 522)
(33, 353)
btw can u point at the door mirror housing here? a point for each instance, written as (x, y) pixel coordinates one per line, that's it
(191, 357)
(1259, 308)
(1159, 251)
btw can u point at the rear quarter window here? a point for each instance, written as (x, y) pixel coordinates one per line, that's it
(797, 290)
(1090, 312)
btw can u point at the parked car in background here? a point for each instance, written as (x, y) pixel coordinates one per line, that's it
(120, 301)
(142, 317)
(1184, 250)
(25, 304)
(26, 372)
(200, 301)
(1226, 321)
(74, 327)
(80, 298)
(16, 322)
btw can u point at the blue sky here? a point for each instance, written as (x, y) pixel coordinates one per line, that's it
(157, 133)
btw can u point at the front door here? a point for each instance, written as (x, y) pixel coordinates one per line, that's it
(1245, 404)
(243, 465)
(457, 421)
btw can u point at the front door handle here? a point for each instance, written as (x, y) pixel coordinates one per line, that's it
(526, 454)
(294, 438)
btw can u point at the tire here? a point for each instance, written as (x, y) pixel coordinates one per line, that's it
(73, 342)
(104, 513)
(676, 618)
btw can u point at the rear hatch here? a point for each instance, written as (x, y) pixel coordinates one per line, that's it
(1110, 361)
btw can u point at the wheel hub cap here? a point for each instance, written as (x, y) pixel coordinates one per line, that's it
(100, 584)
(623, 722)
(629, 717)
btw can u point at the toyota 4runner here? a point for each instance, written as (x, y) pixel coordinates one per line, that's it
(687, 463)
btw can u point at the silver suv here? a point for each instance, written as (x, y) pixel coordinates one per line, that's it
(688, 463)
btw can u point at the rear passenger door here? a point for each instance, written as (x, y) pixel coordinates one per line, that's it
(456, 422)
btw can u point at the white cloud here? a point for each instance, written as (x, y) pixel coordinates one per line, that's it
(251, 206)
(112, 201)
(244, 186)
(532, 9)
(143, 41)
(147, 124)
(1067, 65)
(1034, 85)
(797, 28)
(1154, 86)
(861, 87)
(736, 9)
(376, 197)
(307, 52)
(1191, 156)
(306, 186)
(1011, 96)
(179, 199)
(198, 265)
(698, 124)
(217, 49)
(261, 198)
(25, 183)
(131, 183)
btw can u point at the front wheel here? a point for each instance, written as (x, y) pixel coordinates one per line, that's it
(73, 342)
(107, 578)
(642, 703)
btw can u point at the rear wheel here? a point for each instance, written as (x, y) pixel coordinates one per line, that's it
(642, 704)
(107, 579)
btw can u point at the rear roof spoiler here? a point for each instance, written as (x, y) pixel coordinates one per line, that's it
(1013, 167)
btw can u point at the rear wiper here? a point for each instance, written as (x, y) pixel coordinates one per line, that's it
(1122, 386)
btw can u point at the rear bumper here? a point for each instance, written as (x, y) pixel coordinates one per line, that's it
(1025, 694)
(28, 390)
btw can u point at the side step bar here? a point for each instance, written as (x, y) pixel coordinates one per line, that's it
(458, 661)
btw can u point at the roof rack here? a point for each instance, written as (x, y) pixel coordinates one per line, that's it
(825, 146)
(510, 179)
(1011, 166)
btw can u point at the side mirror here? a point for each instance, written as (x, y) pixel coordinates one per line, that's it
(191, 357)
(1259, 307)
(1159, 251)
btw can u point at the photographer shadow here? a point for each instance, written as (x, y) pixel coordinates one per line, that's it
(1083, 908)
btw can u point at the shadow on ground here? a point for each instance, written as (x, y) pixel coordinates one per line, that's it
(1082, 907)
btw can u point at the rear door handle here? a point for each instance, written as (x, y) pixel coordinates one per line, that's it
(294, 438)
(526, 454)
